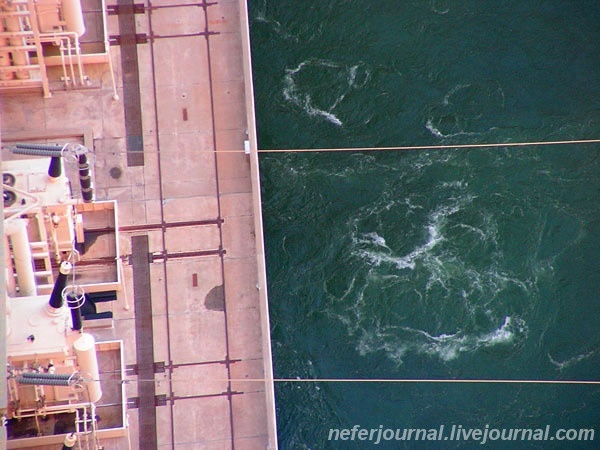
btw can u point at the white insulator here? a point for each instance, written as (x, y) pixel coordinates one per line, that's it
(70, 440)
(85, 349)
(73, 16)
(17, 230)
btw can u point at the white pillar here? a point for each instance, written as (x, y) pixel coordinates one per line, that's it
(85, 349)
(17, 231)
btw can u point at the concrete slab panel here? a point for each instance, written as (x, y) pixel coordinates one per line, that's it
(204, 272)
(133, 419)
(186, 19)
(233, 205)
(252, 443)
(224, 17)
(230, 106)
(249, 415)
(187, 156)
(228, 66)
(233, 165)
(152, 212)
(189, 239)
(251, 369)
(184, 107)
(157, 288)
(188, 145)
(211, 445)
(197, 337)
(240, 282)
(163, 426)
(75, 109)
(235, 185)
(181, 60)
(232, 140)
(159, 333)
(201, 421)
(244, 333)
(20, 112)
(230, 116)
(204, 379)
(238, 236)
(155, 244)
(190, 188)
(192, 208)
(151, 191)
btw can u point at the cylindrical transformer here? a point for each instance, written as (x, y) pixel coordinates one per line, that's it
(85, 349)
(73, 16)
(17, 231)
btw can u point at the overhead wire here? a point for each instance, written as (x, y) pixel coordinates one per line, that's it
(410, 147)
(436, 147)
(361, 380)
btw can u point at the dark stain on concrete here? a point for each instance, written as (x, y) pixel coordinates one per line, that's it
(215, 299)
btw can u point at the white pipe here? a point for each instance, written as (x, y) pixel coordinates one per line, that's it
(85, 349)
(62, 61)
(17, 231)
(67, 35)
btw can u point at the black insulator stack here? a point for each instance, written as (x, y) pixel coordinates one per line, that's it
(55, 169)
(56, 299)
(85, 179)
(76, 319)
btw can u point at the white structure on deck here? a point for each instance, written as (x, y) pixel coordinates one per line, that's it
(38, 35)
(55, 386)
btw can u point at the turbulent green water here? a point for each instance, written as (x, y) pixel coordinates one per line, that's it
(431, 264)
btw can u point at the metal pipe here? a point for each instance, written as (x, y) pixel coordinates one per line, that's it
(67, 36)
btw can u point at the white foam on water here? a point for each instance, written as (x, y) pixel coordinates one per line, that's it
(303, 100)
(436, 9)
(561, 365)
(397, 342)
(356, 77)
